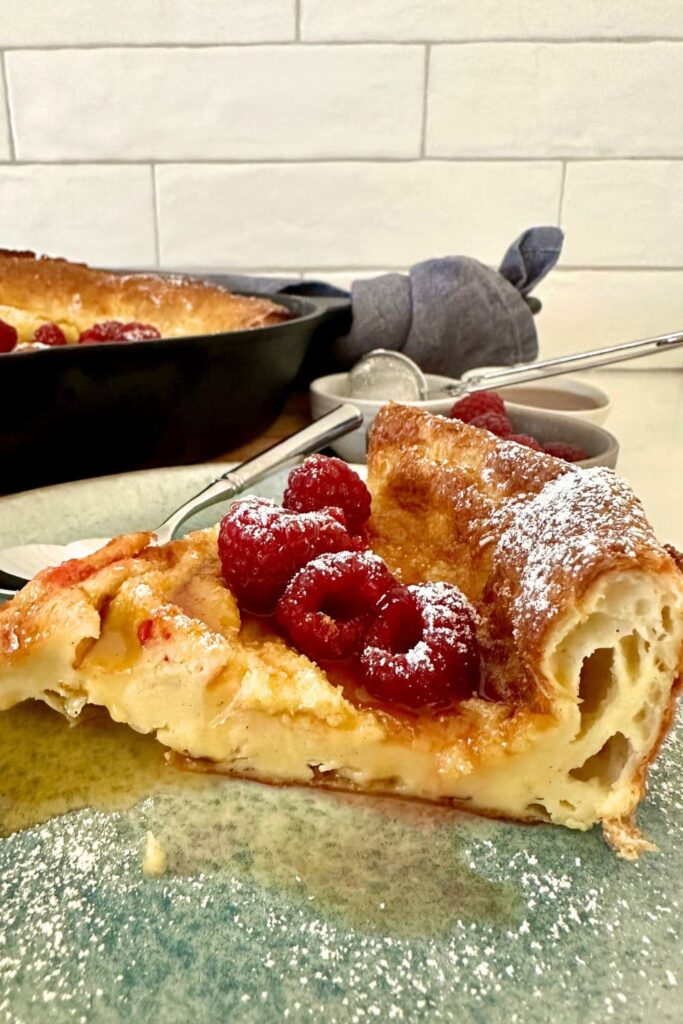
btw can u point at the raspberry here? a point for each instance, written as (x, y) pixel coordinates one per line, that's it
(327, 607)
(494, 422)
(8, 337)
(49, 334)
(139, 332)
(524, 439)
(422, 647)
(566, 451)
(261, 546)
(116, 330)
(471, 406)
(321, 481)
(106, 330)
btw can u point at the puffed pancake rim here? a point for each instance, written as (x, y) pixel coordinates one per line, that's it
(581, 635)
(38, 290)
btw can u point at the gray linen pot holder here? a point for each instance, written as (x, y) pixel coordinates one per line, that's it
(448, 314)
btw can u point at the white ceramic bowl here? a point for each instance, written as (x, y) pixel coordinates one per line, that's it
(568, 388)
(326, 393)
(602, 447)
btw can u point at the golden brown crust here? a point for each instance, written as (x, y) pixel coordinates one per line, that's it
(666, 724)
(27, 615)
(331, 782)
(24, 617)
(675, 554)
(625, 838)
(78, 296)
(531, 533)
(451, 478)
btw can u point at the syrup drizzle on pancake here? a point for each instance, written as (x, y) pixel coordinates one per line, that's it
(375, 865)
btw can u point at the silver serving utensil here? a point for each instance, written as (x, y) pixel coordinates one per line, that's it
(392, 373)
(19, 564)
(379, 363)
(587, 360)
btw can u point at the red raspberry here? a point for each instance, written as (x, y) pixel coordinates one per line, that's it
(328, 605)
(321, 481)
(566, 451)
(494, 422)
(50, 334)
(8, 337)
(422, 647)
(106, 330)
(116, 330)
(471, 406)
(139, 332)
(526, 440)
(262, 545)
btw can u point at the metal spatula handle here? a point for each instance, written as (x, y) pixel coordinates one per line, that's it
(340, 421)
(564, 364)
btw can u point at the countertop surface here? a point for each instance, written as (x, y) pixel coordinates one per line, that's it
(647, 420)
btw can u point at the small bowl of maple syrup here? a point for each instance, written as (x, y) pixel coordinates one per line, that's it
(566, 396)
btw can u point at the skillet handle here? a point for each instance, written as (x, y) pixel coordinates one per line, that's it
(335, 308)
(334, 319)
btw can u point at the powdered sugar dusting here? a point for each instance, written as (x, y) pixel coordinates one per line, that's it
(259, 514)
(576, 521)
(438, 600)
(325, 564)
(418, 657)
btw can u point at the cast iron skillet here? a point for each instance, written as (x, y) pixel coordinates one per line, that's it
(88, 410)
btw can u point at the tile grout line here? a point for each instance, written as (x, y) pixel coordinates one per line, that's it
(8, 110)
(563, 179)
(251, 161)
(308, 41)
(425, 100)
(155, 212)
(297, 21)
(380, 268)
(627, 268)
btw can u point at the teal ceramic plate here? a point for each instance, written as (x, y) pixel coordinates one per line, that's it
(282, 904)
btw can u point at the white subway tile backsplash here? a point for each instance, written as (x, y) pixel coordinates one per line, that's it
(5, 151)
(624, 213)
(589, 308)
(546, 100)
(294, 275)
(308, 153)
(103, 215)
(488, 19)
(75, 22)
(348, 214)
(286, 102)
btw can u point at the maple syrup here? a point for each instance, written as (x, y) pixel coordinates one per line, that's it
(376, 865)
